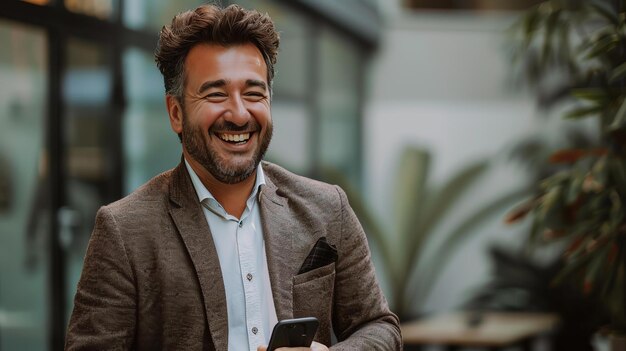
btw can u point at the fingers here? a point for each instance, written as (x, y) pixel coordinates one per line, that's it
(318, 347)
(315, 346)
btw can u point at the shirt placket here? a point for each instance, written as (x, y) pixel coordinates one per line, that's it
(250, 279)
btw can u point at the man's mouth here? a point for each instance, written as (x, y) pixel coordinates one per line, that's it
(234, 138)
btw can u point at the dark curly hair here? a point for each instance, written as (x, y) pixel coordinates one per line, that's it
(209, 23)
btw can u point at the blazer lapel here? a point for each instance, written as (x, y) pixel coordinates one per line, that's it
(286, 245)
(187, 214)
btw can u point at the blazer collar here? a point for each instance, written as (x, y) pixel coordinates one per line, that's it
(187, 214)
(286, 243)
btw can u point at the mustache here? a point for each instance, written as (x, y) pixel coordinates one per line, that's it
(228, 126)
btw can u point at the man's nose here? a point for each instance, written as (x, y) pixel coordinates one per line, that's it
(237, 111)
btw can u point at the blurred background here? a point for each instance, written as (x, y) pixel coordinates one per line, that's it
(414, 106)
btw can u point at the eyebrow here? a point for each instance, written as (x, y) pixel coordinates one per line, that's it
(211, 84)
(220, 83)
(256, 83)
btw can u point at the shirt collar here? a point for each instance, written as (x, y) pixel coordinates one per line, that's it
(205, 196)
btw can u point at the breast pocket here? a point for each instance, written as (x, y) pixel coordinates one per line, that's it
(313, 297)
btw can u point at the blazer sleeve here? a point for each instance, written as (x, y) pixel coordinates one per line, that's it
(104, 315)
(361, 319)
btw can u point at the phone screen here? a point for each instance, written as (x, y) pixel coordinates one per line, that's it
(298, 332)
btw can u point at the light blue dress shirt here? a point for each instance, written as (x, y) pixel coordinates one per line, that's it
(241, 251)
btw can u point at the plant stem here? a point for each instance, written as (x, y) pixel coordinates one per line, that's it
(621, 324)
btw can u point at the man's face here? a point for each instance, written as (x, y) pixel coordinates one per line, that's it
(226, 118)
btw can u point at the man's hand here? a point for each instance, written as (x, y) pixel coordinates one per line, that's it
(315, 346)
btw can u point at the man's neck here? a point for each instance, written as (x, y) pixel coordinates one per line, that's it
(232, 197)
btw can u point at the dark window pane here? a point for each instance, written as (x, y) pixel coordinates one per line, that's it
(89, 132)
(339, 104)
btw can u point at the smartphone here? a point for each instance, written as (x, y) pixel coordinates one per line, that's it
(298, 332)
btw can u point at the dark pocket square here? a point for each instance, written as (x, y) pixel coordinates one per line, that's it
(322, 254)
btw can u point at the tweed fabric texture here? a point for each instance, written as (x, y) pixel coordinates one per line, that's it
(151, 278)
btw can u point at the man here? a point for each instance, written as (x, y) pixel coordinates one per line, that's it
(210, 255)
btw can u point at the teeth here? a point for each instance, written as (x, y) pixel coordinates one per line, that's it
(235, 137)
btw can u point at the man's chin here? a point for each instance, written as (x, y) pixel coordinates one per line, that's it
(234, 174)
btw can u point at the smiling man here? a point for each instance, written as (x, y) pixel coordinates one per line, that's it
(211, 254)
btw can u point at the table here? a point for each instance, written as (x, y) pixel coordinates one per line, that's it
(497, 330)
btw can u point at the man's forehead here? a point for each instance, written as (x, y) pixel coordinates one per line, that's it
(214, 52)
(210, 59)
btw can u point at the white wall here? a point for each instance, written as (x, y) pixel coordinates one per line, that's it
(441, 81)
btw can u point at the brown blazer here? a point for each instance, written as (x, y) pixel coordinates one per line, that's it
(151, 278)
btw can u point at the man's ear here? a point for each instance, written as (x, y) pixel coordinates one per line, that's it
(175, 111)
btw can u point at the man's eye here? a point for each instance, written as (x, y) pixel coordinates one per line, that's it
(255, 94)
(215, 95)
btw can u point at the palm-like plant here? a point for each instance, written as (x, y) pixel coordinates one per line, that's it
(418, 210)
(584, 42)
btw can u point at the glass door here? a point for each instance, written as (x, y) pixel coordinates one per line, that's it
(90, 143)
(25, 213)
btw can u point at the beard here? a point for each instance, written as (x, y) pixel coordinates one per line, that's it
(224, 168)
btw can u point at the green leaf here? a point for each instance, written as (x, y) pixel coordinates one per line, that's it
(615, 301)
(619, 121)
(422, 227)
(555, 179)
(581, 251)
(608, 14)
(617, 170)
(582, 112)
(436, 262)
(584, 226)
(598, 176)
(550, 200)
(551, 22)
(367, 219)
(530, 23)
(602, 46)
(410, 195)
(617, 210)
(591, 94)
(618, 72)
(571, 266)
(611, 276)
(565, 51)
(536, 229)
(410, 192)
(594, 267)
(441, 203)
(575, 187)
(600, 203)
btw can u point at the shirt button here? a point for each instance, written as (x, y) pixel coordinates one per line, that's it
(249, 276)
(254, 330)
(240, 224)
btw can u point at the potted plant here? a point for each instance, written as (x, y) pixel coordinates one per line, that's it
(576, 51)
